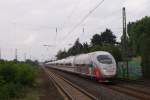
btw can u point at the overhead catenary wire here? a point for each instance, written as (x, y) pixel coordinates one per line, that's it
(87, 15)
(113, 28)
(71, 14)
(60, 29)
(56, 36)
(84, 18)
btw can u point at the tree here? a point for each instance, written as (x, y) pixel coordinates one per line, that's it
(77, 48)
(61, 54)
(139, 38)
(145, 54)
(85, 48)
(96, 40)
(108, 37)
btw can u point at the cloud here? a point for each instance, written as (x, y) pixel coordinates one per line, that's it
(28, 24)
(137, 9)
(30, 40)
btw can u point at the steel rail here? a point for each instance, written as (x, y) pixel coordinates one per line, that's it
(129, 91)
(67, 87)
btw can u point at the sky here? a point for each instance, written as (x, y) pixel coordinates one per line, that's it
(27, 25)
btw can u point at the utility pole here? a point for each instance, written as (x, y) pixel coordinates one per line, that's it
(16, 55)
(83, 30)
(30, 57)
(56, 36)
(124, 41)
(24, 56)
(56, 30)
(0, 54)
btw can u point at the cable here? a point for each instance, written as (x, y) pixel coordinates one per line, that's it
(84, 18)
(71, 14)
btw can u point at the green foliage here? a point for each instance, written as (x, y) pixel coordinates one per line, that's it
(9, 90)
(139, 40)
(7, 72)
(33, 63)
(136, 31)
(13, 77)
(86, 48)
(145, 54)
(108, 37)
(96, 40)
(61, 54)
(77, 48)
(95, 48)
(25, 74)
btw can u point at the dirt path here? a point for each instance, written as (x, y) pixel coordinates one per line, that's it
(47, 89)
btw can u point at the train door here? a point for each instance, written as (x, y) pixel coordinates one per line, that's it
(91, 66)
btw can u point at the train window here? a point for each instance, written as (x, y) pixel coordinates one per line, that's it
(82, 64)
(77, 64)
(105, 59)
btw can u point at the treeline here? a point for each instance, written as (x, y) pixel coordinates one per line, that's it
(106, 41)
(139, 42)
(15, 77)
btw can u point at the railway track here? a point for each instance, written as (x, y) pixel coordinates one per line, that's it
(137, 82)
(139, 94)
(69, 90)
(128, 89)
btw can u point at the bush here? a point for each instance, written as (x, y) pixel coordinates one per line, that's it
(25, 74)
(13, 77)
(8, 72)
(9, 90)
(145, 54)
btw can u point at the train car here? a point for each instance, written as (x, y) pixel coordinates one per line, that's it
(98, 65)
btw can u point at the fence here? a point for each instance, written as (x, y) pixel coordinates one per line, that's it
(134, 70)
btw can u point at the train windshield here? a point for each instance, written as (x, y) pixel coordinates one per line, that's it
(105, 59)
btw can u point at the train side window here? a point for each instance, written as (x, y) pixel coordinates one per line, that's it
(83, 65)
(77, 64)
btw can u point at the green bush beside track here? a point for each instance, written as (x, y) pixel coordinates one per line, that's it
(14, 77)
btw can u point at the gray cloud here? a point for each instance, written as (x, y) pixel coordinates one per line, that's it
(28, 24)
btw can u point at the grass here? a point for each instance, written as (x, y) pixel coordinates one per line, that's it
(30, 94)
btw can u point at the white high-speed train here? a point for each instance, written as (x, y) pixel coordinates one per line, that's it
(99, 65)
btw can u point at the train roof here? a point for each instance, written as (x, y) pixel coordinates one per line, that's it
(70, 58)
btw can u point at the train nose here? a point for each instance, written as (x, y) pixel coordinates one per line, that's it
(109, 70)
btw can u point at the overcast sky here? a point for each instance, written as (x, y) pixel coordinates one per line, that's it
(29, 24)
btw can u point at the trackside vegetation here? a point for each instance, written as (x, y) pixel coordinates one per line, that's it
(15, 77)
(139, 42)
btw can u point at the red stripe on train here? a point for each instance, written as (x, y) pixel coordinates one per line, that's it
(97, 72)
